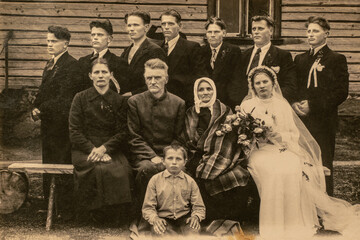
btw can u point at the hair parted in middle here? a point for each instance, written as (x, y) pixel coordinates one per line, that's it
(261, 69)
(99, 61)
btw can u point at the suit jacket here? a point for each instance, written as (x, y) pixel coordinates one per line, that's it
(117, 65)
(58, 87)
(146, 51)
(275, 57)
(185, 66)
(332, 89)
(227, 60)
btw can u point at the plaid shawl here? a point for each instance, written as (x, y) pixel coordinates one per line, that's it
(219, 165)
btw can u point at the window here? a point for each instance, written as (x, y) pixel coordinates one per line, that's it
(237, 14)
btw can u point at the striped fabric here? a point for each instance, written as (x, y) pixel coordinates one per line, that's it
(219, 166)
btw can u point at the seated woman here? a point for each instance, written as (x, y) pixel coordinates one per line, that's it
(214, 161)
(98, 131)
(287, 169)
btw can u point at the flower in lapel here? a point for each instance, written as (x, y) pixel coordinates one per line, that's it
(276, 69)
(319, 67)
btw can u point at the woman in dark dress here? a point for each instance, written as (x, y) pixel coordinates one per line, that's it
(98, 133)
(214, 161)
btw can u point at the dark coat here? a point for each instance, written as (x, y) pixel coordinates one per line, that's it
(146, 51)
(56, 92)
(227, 61)
(154, 123)
(185, 66)
(275, 57)
(332, 90)
(117, 65)
(97, 120)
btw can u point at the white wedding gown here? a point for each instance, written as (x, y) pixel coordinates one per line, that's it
(291, 183)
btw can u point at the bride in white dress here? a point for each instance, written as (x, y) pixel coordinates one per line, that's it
(288, 171)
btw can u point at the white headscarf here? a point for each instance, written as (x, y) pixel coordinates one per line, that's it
(198, 103)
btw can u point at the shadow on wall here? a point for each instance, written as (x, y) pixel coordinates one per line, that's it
(17, 127)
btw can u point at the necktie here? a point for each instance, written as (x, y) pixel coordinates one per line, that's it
(311, 52)
(95, 56)
(213, 58)
(50, 64)
(166, 47)
(255, 61)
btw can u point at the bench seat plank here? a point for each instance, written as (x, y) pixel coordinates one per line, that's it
(42, 168)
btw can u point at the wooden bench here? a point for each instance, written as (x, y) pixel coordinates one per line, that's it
(44, 168)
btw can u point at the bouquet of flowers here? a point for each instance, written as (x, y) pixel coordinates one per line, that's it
(251, 131)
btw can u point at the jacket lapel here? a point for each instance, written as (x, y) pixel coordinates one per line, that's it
(140, 52)
(176, 53)
(271, 55)
(220, 58)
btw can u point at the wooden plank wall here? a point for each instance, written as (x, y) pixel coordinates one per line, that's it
(344, 18)
(29, 20)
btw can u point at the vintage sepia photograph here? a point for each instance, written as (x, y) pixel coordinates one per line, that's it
(180, 119)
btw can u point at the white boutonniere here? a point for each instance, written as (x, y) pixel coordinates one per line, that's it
(319, 67)
(276, 69)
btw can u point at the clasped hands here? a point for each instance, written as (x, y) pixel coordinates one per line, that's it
(301, 108)
(159, 224)
(99, 155)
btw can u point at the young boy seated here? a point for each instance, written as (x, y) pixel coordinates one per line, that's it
(173, 203)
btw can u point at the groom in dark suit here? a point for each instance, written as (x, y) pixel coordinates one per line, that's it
(183, 57)
(264, 53)
(101, 37)
(221, 59)
(323, 82)
(61, 80)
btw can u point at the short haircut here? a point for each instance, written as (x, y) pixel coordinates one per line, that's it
(174, 13)
(322, 22)
(156, 63)
(60, 32)
(175, 147)
(106, 25)
(145, 16)
(99, 61)
(216, 21)
(269, 21)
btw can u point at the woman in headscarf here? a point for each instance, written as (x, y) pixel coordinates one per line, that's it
(288, 171)
(99, 134)
(214, 161)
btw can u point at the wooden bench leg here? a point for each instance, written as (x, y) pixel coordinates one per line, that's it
(51, 203)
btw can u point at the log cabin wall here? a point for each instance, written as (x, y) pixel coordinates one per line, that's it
(29, 20)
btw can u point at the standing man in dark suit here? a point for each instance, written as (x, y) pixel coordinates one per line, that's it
(221, 59)
(184, 58)
(61, 80)
(139, 52)
(264, 53)
(101, 37)
(323, 82)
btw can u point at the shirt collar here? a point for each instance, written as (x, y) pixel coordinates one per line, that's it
(173, 41)
(264, 48)
(95, 94)
(101, 53)
(318, 48)
(217, 48)
(157, 99)
(168, 174)
(58, 56)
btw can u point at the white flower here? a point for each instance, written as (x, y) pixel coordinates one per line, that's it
(258, 130)
(228, 128)
(236, 122)
(242, 137)
(219, 133)
(246, 143)
(320, 67)
(276, 69)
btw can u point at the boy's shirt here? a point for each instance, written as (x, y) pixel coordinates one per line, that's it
(172, 197)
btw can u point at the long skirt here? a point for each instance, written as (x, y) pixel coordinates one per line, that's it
(102, 184)
(286, 211)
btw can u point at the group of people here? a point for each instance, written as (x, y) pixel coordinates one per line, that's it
(140, 129)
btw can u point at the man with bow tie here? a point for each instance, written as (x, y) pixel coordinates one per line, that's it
(101, 37)
(323, 82)
(221, 58)
(183, 57)
(61, 80)
(265, 53)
